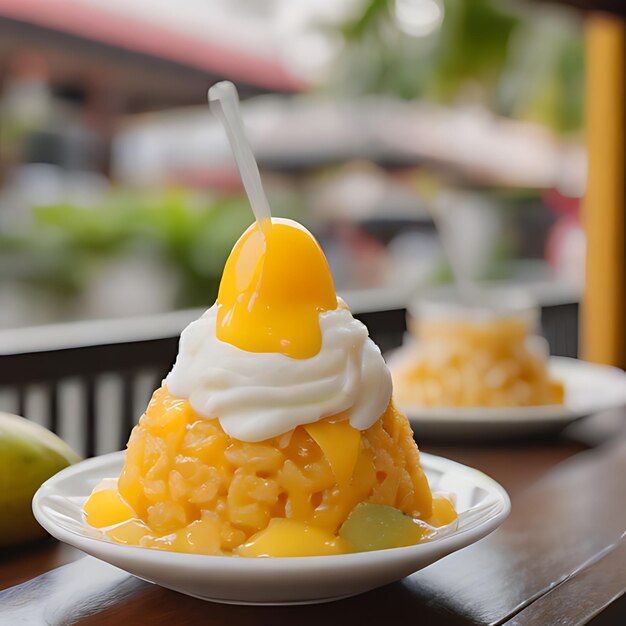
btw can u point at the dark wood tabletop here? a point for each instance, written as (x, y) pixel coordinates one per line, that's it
(560, 558)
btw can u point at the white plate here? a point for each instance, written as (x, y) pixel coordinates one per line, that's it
(589, 388)
(482, 503)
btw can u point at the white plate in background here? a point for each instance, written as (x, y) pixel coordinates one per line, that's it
(481, 502)
(589, 388)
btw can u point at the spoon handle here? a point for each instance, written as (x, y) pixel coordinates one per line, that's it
(224, 104)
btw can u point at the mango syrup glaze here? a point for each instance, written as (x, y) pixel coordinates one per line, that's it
(188, 486)
(275, 285)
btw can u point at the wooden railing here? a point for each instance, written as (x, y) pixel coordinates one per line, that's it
(90, 381)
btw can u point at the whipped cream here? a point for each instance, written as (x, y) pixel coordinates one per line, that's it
(259, 395)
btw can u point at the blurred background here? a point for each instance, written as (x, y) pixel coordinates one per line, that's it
(119, 195)
(119, 198)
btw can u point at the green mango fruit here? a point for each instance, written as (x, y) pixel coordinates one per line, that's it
(29, 455)
(378, 527)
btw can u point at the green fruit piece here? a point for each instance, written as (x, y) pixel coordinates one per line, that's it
(29, 455)
(377, 527)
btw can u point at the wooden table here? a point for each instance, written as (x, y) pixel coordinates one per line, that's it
(560, 558)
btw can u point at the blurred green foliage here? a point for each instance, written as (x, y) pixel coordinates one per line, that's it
(191, 234)
(518, 60)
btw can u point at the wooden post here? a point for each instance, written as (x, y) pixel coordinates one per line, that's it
(603, 337)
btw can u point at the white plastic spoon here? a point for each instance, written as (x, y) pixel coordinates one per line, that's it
(224, 104)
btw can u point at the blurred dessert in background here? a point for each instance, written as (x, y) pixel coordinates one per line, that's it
(482, 353)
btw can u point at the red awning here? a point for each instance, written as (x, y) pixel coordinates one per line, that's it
(129, 33)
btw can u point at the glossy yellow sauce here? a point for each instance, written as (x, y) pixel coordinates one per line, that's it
(274, 286)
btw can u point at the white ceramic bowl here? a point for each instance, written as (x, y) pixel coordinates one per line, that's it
(589, 388)
(482, 503)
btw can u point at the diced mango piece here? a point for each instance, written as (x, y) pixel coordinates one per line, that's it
(443, 512)
(285, 537)
(377, 527)
(200, 537)
(129, 533)
(340, 443)
(106, 508)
